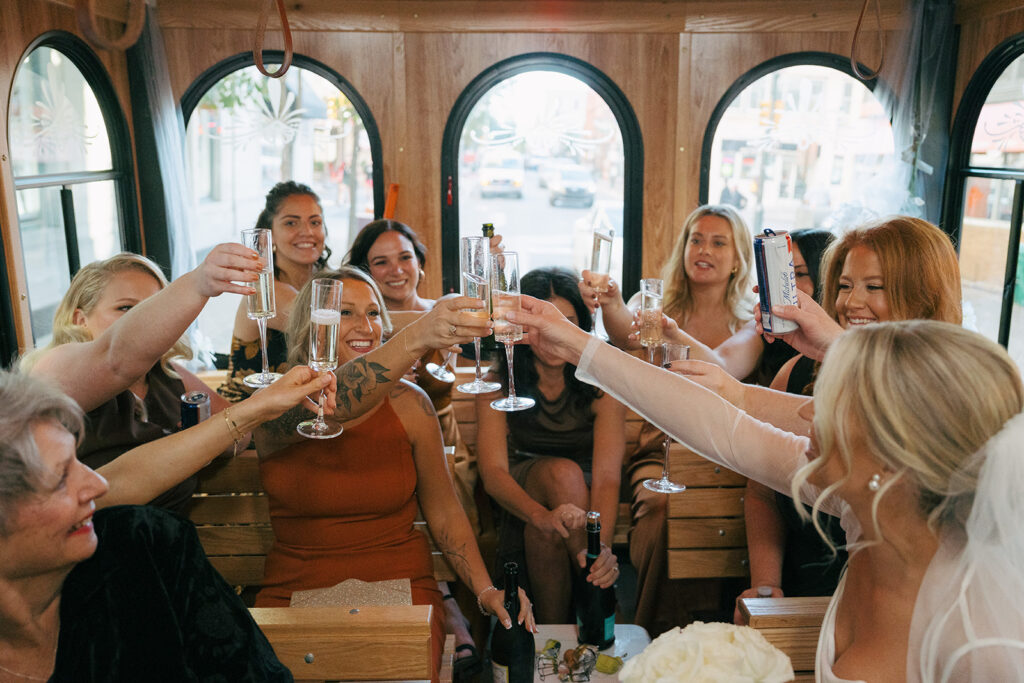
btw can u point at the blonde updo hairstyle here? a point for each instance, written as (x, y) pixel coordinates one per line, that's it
(84, 293)
(922, 397)
(678, 302)
(920, 270)
(297, 332)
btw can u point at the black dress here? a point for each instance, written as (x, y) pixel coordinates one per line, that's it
(124, 422)
(808, 565)
(148, 606)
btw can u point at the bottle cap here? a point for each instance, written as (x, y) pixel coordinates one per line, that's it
(593, 521)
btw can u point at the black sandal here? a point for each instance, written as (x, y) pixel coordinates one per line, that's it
(463, 668)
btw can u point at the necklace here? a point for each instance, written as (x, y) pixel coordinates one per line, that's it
(19, 675)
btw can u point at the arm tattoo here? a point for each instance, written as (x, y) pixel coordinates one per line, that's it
(284, 426)
(454, 552)
(357, 379)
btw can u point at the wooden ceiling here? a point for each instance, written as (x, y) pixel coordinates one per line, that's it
(545, 16)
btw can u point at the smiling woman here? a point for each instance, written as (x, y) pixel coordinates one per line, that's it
(295, 218)
(113, 596)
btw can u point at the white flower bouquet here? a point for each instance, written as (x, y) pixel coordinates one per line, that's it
(715, 653)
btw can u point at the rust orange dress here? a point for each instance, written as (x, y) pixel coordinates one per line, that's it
(344, 508)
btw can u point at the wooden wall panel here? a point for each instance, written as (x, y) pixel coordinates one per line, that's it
(21, 22)
(978, 38)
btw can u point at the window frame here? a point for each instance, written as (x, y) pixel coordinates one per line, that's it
(808, 58)
(209, 78)
(632, 152)
(122, 165)
(959, 169)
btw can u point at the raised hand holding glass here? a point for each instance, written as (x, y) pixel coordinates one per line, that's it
(324, 320)
(261, 305)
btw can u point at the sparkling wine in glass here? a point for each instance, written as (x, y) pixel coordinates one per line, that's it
(260, 305)
(324, 320)
(669, 353)
(601, 264)
(650, 315)
(474, 261)
(505, 298)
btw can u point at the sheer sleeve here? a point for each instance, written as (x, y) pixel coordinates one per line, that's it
(701, 420)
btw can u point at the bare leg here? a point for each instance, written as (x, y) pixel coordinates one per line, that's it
(550, 559)
(455, 621)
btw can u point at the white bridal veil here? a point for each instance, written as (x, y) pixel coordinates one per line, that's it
(968, 622)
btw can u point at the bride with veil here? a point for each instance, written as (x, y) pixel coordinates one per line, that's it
(917, 432)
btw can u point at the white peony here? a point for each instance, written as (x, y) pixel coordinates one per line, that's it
(709, 653)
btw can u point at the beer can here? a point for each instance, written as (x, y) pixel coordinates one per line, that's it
(776, 281)
(195, 407)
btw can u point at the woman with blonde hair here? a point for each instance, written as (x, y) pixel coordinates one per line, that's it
(115, 334)
(915, 447)
(707, 305)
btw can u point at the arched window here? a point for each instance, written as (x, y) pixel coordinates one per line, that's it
(548, 149)
(246, 132)
(71, 159)
(985, 196)
(799, 142)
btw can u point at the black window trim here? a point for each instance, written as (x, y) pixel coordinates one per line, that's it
(122, 170)
(210, 77)
(959, 168)
(632, 148)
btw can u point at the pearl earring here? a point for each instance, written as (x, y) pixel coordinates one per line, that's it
(875, 483)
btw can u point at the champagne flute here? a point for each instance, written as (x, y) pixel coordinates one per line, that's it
(601, 264)
(506, 297)
(670, 352)
(650, 315)
(441, 372)
(261, 305)
(474, 261)
(324, 320)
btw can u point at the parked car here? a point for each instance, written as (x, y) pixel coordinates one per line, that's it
(549, 170)
(572, 185)
(502, 175)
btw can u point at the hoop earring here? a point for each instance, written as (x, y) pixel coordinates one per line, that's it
(423, 274)
(875, 482)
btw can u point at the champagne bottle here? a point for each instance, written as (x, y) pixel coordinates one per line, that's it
(512, 650)
(595, 606)
(488, 344)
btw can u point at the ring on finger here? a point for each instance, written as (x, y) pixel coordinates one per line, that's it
(451, 330)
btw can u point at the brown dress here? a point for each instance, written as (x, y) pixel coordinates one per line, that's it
(344, 508)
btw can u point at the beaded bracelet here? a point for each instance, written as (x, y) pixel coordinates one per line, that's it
(480, 595)
(236, 434)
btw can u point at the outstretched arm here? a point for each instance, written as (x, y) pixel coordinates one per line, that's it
(143, 473)
(691, 414)
(94, 372)
(738, 355)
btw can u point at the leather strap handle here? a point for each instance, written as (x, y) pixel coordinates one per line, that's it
(261, 29)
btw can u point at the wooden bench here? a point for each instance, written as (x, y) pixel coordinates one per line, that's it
(706, 532)
(790, 624)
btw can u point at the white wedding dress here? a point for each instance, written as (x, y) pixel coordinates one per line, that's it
(942, 639)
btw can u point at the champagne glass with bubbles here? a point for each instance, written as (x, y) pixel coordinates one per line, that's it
(324, 320)
(261, 305)
(474, 261)
(506, 298)
(669, 353)
(650, 315)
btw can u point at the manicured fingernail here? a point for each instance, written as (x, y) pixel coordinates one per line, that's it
(507, 624)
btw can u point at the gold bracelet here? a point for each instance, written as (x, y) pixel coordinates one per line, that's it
(480, 595)
(233, 430)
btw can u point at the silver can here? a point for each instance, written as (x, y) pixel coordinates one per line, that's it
(195, 407)
(776, 281)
